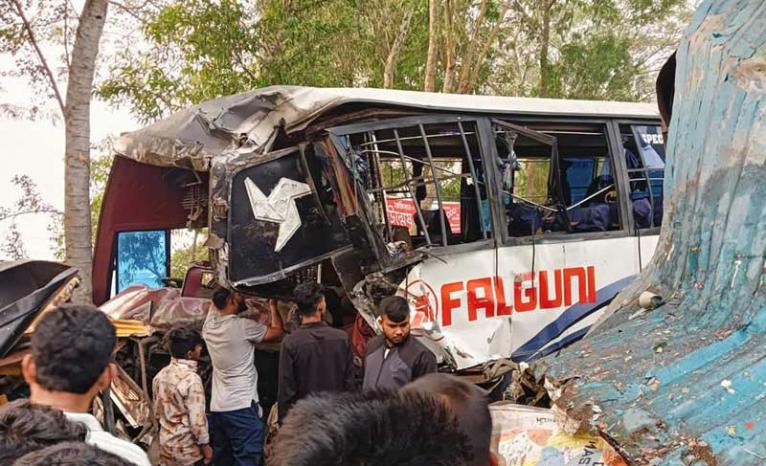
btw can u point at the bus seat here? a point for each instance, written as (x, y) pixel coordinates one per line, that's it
(192, 282)
(596, 217)
(600, 182)
(523, 220)
(642, 212)
(433, 225)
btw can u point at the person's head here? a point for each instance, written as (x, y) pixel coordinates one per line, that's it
(370, 429)
(184, 343)
(71, 454)
(72, 350)
(310, 299)
(470, 406)
(228, 301)
(27, 427)
(395, 319)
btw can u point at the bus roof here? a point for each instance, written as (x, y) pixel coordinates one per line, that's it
(192, 136)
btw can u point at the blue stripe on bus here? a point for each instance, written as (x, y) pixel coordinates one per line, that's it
(569, 317)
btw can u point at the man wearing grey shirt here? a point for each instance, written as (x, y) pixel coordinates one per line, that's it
(235, 423)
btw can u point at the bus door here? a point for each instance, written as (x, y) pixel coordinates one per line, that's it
(567, 249)
(282, 220)
(428, 187)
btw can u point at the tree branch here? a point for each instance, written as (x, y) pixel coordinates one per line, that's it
(40, 56)
(467, 60)
(429, 84)
(396, 47)
(12, 215)
(476, 64)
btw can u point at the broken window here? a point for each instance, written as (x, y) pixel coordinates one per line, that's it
(556, 178)
(423, 177)
(645, 160)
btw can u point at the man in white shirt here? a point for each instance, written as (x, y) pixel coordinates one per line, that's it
(235, 423)
(71, 362)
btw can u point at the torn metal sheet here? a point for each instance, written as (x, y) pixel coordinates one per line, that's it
(25, 287)
(685, 383)
(248, 122)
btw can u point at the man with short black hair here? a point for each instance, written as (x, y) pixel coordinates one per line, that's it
(372, 428)
(71, 362)
(235, 419)
(179, 403)
(395, 358)
(470, 406)
(315, 357)
(27, 427)
(70, 454)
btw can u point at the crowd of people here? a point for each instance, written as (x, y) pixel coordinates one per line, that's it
(401, 413)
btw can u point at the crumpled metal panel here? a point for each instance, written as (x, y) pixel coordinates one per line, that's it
(686, 383)
(248, 122)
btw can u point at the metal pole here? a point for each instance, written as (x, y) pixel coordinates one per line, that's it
(441, 212)
(475, 179)
(408, 179)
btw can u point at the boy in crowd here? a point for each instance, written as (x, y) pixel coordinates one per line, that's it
(315, 357)
(179, 403)
(395, 358)
(71, 362)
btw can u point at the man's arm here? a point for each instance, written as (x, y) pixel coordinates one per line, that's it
(424, 364)
(257, 332)
(287, 389)
(276, 329)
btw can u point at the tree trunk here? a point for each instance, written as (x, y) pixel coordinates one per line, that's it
(449, 48)
(470, 53)
(396, 47)
(684, 383)
(77, 223)
(473, 77)
(544, 45)
(433, 37)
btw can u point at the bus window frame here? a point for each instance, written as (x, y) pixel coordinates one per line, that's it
(485, 141)
(114, 275)
(620, 177)
(617, 141)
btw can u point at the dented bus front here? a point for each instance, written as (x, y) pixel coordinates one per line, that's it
(507, 223)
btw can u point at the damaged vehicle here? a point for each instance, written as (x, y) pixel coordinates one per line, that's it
(508, 223)
(28, 289)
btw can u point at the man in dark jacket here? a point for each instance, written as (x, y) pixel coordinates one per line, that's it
(315, 357)
(395, 358)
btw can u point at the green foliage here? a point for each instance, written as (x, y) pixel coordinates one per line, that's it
(201, 49)
(182, 257)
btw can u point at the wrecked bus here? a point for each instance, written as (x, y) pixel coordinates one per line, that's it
(508, 223)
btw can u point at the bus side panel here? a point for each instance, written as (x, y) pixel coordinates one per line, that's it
(537, 296)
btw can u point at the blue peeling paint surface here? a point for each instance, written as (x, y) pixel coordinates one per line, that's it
(686, 383)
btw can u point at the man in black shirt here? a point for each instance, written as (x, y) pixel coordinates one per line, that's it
(395, 358)
(315, 357)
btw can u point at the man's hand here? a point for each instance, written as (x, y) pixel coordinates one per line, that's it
(276, 329)
(207, 453)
